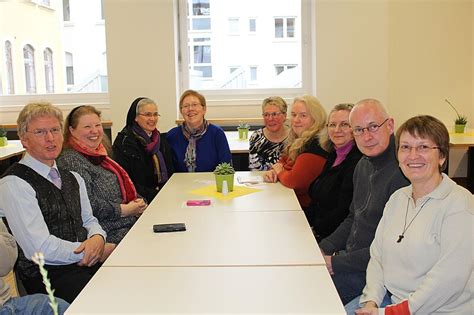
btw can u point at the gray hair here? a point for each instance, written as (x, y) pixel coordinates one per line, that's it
(34, 110)
(143, 102)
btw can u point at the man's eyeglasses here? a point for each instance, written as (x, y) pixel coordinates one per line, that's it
(372, 128)
(44, 132)
(271, 115)
(421, 149)
(343, 125)
(150, 114)
(192, 105)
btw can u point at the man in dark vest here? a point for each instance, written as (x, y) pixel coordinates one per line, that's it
(48, 210)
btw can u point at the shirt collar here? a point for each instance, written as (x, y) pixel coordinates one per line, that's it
(36, 165)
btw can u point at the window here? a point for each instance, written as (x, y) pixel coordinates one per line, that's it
(30, 75)
(253, 73)
(48, 70)
(66, 11)
(43, 68)
(10, 85)
(234, 26)
(69, 69)
(210, 59)
(252, 25)
(200, 11)
(285, 27)
(280, 68)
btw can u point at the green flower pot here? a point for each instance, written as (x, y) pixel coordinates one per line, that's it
(221, 178)
(243, 133)
(3, 141)
(459, 128)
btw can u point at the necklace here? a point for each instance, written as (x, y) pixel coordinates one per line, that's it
(405, 227)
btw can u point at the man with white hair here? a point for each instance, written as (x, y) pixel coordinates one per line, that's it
(376, 177)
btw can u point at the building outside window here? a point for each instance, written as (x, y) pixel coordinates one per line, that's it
(252, 25)
(30, 74)
(10, 83)
(285, 27)
(48, 70)
(208, 55)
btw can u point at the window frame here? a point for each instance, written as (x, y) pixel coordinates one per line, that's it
(249, 95)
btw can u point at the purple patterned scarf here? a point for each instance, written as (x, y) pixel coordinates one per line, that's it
(192, 135)
(152, 147)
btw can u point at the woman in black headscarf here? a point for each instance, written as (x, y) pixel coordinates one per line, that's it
(142, 151)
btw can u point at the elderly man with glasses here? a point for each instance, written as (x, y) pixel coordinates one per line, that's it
(48, 210)
(376, 177)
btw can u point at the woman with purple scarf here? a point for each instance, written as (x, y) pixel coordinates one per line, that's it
(142, 150)
(198, 146)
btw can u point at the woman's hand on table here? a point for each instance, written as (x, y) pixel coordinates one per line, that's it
(270, 176)
(135, 207)
(370, 308)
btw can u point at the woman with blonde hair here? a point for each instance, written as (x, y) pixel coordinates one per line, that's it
(303, 159)
(267, 143)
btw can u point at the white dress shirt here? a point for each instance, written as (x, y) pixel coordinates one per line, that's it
(19, 205)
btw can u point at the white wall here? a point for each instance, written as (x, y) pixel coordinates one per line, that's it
(409, 54)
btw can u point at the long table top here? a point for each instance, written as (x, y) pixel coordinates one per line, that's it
(206, 290)
(219, 238)
(270, 197)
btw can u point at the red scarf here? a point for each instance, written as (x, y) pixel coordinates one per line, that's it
(99, 157)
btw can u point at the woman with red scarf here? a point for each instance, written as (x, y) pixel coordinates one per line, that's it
(142, 150)
(112, 194)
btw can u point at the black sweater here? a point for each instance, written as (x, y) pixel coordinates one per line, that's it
(331, 194)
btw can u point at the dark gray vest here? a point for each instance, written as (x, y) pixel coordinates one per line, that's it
(61, 209)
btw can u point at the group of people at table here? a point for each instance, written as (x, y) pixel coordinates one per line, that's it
(394, 230)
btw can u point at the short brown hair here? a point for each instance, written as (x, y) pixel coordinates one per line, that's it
(428, 127)
(186, 93)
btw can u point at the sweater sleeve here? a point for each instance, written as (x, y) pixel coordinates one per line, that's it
(304, 171)
(103, 209)
(337, 240)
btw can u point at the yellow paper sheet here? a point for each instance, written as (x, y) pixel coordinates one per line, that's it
(211, 191)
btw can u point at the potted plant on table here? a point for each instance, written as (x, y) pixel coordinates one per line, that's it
(243, 129)
(224, 172)
(460, 121)
(3, 137)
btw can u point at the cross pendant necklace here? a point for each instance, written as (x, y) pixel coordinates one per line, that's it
(405, 227)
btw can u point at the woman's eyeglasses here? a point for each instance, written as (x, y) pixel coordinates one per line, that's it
(271, 115)
(150, 114)
(189, 106)
(343, 125)
(420, 149)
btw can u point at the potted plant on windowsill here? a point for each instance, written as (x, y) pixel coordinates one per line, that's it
(460, 121)
(243, 129)
(3, 137)
(224, 172)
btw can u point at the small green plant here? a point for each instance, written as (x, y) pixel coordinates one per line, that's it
(224, 169)
(460, 119)
(243, 125)
(38, 259)
(3, 132)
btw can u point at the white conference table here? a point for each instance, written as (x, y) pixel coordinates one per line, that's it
(219, 238)
(271, 197)
(230, 260)
(13, 148)
(188, 290)
(235, 144)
